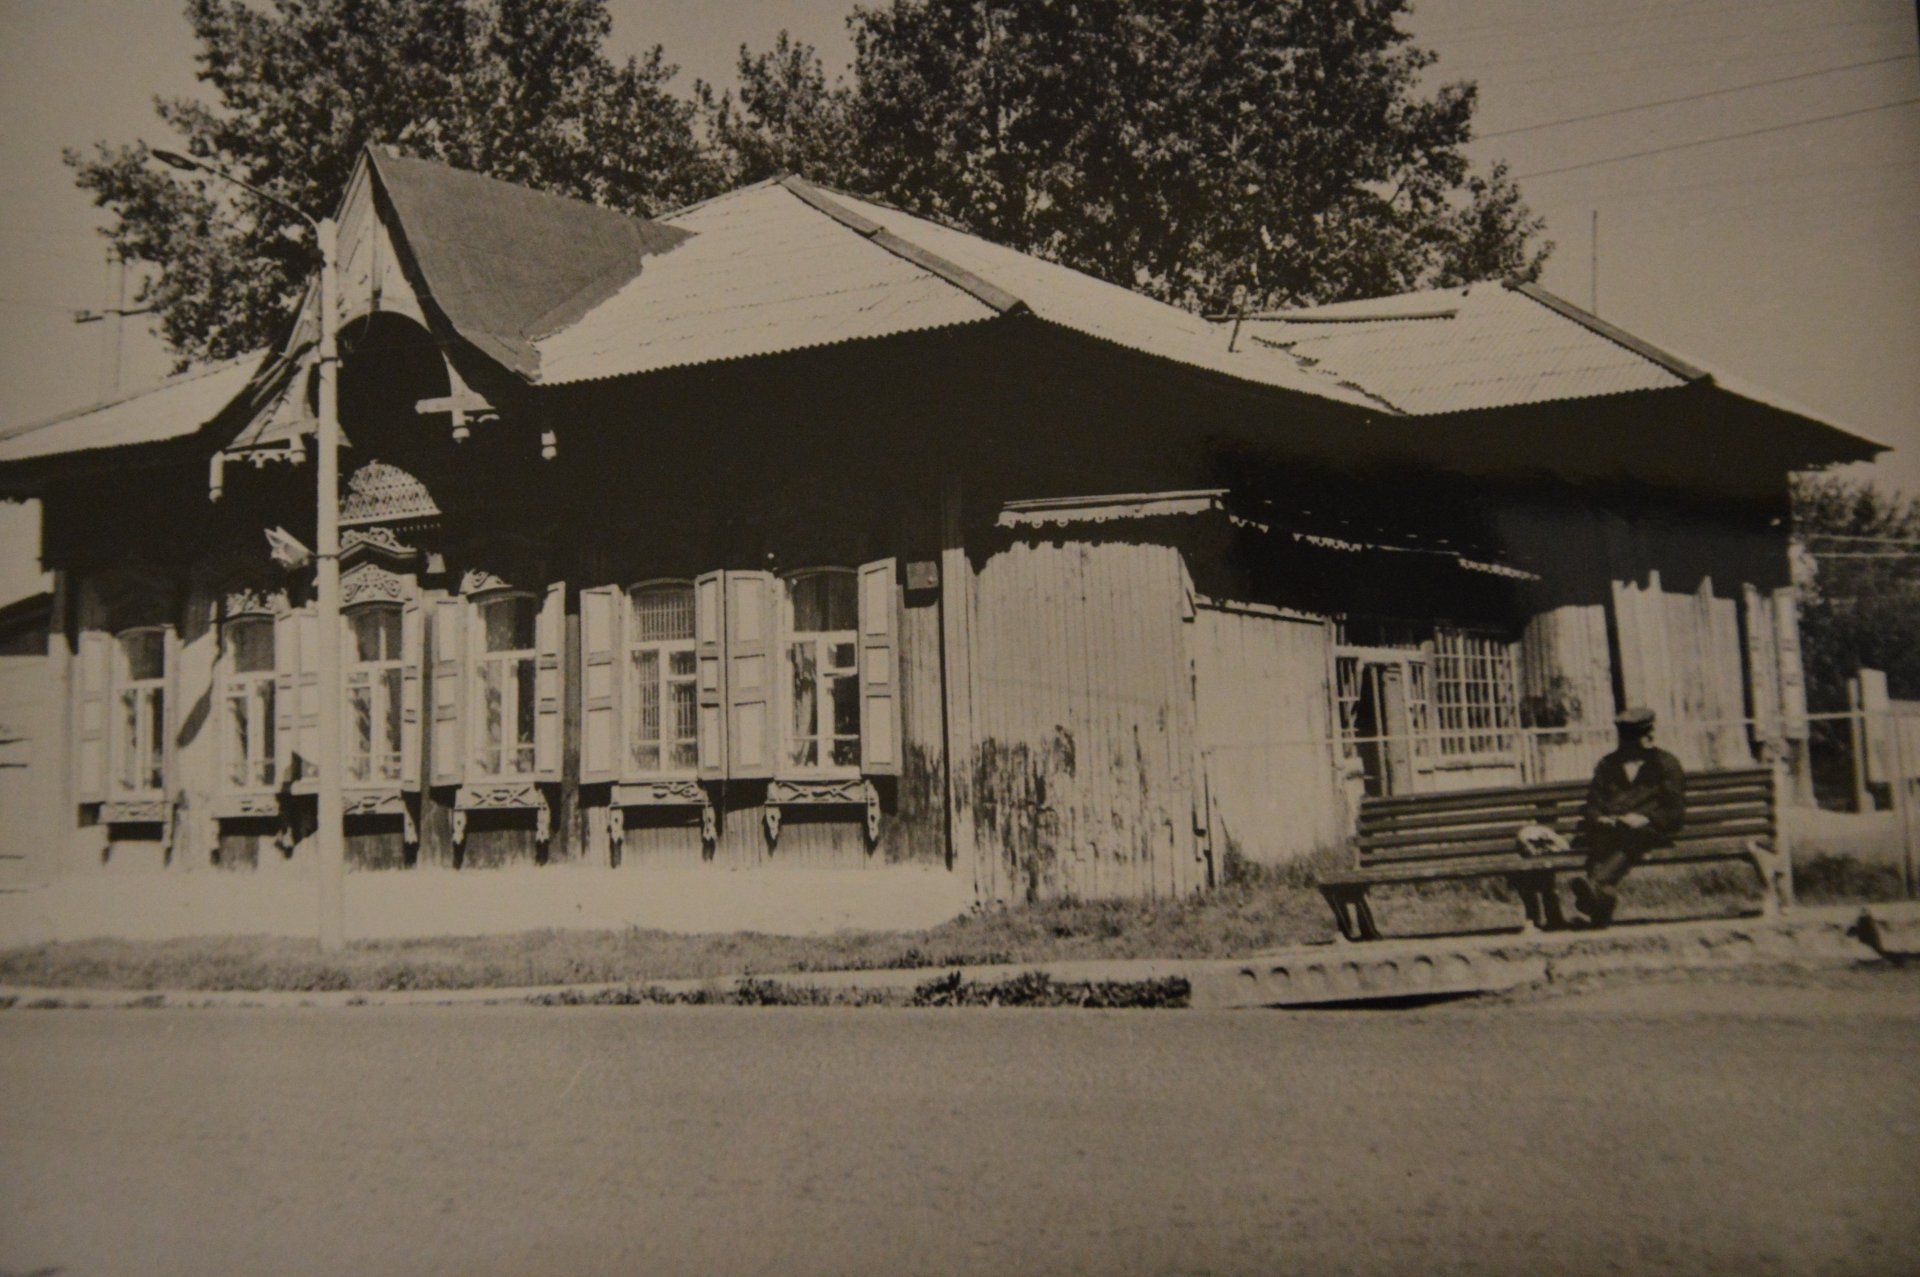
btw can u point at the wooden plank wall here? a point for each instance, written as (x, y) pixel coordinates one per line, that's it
(1082, 772)
(1265, 719)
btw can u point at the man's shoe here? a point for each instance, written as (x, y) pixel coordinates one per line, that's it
(1583, 898)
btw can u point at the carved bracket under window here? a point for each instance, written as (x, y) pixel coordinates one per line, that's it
(384, 802)
(142, 811)
(855, 792)
(506, 796)
(660, 793)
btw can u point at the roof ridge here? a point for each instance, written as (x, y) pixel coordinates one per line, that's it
(1600, 327)
(177, 379)
(689, 207)
(982, 290)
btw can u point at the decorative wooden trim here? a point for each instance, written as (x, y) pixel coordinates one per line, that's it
(247, 601)
(660, 793)
(524, 795)
(137, 811)
(380, 492)
(376, 539)
(371, 583)
(854, 791)
(254, 805)
(481, 581)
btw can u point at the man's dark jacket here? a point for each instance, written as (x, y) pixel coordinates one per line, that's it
(1658, 792)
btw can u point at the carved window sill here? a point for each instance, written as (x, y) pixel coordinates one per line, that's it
(251, 805)
(505, 795)
(853, 791)
(371, 800)
(137, 811)
(660, 793)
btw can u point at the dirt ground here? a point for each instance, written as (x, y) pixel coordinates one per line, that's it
(1759, 1125)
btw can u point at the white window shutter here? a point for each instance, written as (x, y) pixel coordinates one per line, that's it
(602, 613)
(550, 645)
(449, 691)
(750, 658)
(306, 739)
(710, 689)
(412, 652)
(92, 696)
(879, 670)
(170, 726)
(286, 684)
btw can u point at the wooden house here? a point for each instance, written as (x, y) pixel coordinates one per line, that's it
(790, 561)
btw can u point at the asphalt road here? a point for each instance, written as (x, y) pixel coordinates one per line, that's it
(1626, 1137)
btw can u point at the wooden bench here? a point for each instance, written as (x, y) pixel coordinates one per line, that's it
(1731, 815)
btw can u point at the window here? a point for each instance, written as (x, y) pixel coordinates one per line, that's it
(823, 690)
(374, 704)
(504, 706)
(660, 680)
(248, 695)
(140, 740)
(1475, 702)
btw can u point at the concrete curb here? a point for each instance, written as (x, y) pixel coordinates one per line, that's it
(1302, 975)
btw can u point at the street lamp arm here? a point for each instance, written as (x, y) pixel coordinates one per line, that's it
(188, 164)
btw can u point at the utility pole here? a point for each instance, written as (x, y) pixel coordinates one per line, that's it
(1593, 264)
(329, 836)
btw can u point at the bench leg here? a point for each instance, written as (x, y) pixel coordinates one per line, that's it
(1776, 878)
(1540, 900)
(1351, 913)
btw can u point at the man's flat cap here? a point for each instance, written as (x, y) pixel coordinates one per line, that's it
(1634, 716)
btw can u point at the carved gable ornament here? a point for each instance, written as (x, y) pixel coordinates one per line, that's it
(253, 601)
(382, 493)
(371, 583)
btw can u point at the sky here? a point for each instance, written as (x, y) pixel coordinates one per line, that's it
(1772, 239)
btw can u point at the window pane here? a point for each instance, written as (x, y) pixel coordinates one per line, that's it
(129, 769)
(146, 654)
(646, 758)
(508, 624)
(524, 701)
(647, 676)
(680, 664)
(376, 634)
(684, 709)
(250, 643)
(846, 708)
(823, 601)
(237, 764)
(846, 753)
(263, 707)
(390, 745)
(359, 727)
(806, 717)
(662, 613)
(491, 716)
(157, 727)
(841, 656)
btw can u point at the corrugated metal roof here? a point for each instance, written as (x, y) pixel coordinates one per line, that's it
(503, 262)
(173, 409)
(1460, 349)
(783, 265)
(762, 272)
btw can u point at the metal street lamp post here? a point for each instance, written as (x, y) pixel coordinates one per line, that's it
(330, 835)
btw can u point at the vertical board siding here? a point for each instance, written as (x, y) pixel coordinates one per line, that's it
(1082, 771)
(1265, 722)
(1566, 680)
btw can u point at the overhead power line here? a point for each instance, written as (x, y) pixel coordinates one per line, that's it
(1694, 97)
(1710, 141)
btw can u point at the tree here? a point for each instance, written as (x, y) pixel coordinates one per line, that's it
(1211, 152)
(518, 89)
(1859, 585)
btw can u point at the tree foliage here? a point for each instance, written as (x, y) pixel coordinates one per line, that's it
(1202, 150)
(518, 89)
(1859, 584)
(1212, 152)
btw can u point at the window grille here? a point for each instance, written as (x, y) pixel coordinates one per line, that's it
(1475, 695)
(663, 730)
(248, 695)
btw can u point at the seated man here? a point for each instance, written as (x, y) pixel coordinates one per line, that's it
(1636, 802)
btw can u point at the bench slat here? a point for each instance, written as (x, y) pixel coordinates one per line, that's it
(1497, 866)
(1545, 813)
(1699, 818)
(1450, 799)
(1733, 829)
